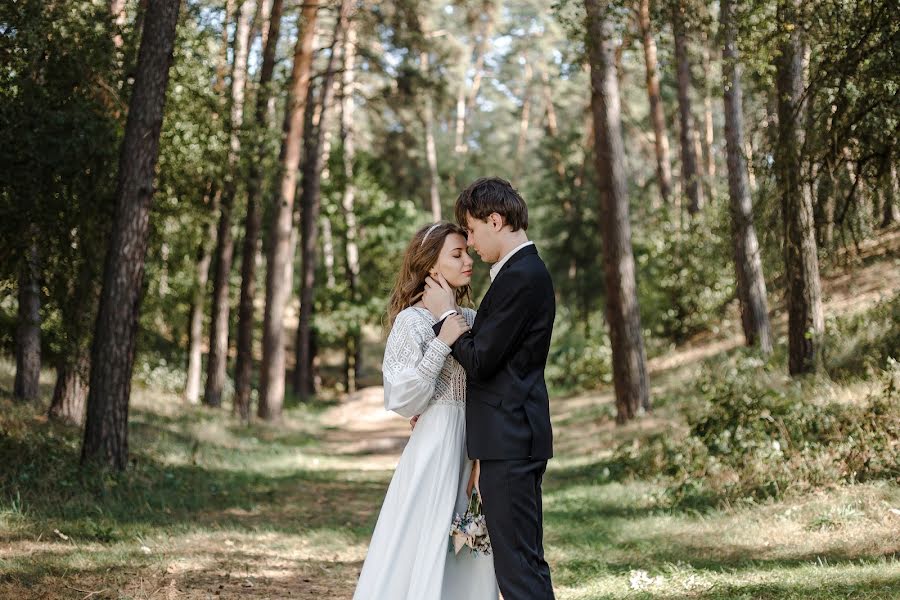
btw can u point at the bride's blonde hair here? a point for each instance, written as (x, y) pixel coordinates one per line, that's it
(420, 256)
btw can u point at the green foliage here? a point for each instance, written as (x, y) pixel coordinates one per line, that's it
(685, 277)
(58, 149)
(752, 436)
(863, 344)
(578, 360)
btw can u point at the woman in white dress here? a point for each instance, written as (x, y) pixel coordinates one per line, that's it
(409, 557)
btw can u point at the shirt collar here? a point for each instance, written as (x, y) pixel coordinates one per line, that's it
(495, 269)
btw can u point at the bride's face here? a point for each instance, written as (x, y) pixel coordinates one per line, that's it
(454, 263)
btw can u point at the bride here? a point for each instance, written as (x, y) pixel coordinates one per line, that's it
(409, 556)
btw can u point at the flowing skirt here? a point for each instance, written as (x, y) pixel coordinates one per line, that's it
(409, 557)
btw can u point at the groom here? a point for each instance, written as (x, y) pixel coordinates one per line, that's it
(507, 407)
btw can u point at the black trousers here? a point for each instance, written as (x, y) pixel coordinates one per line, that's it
(511, 494)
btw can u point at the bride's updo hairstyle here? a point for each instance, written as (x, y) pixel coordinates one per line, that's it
(420, 256)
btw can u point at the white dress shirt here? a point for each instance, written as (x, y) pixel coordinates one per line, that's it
(495, 269)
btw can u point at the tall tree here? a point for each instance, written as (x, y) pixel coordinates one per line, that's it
(751, 285)
(217, 361)
(483, 13)
(278, 279)
(310, 205)
(212, 199)
(690, 174)
(622, 310)
(253, 220)
(28, 330)
(889, 188)
(657, 111)
(112, 354)
(801, 264)
(708, 130)
(434, 178)
(353, 343)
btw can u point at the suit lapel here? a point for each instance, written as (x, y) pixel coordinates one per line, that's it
(526, 251)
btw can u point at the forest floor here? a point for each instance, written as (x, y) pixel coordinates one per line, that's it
(212, 509)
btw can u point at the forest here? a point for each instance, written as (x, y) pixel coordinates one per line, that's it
(203, 209)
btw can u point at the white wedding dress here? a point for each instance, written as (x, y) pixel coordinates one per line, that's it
(409, 556)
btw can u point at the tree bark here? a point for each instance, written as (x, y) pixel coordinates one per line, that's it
(328, 252)
(28, 330)
(804, 302)
(198, 302)
(524, 121)
(71, 389)
(310, 205)
(353, 349)
(430, 149)
(112, 354)
(279, 258)
(751, 285)
(690, 174)
(889, 215)
(657, 112)
(622, 309)
(253, 220)
(708, 139)
(467, 95)
(217, 362)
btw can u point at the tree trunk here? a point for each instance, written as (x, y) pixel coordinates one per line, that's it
(657, 112)
(890, 197)
(459, 145)
(28, 330)
(217, 363)
(689, 170)
(112, 354)
(430, 150)
(71, 389)
(310, 204)
(804, 302)
(524, 120)
(708, 140)
(622, 310)
(253, 220)
(198, 302)
(465, 102)
(328, 252)
(279, 258)
(751, 285)
(353, 350)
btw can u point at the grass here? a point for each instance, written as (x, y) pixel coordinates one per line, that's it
(212, 509)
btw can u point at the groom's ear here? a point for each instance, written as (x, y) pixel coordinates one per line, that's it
(496, 221)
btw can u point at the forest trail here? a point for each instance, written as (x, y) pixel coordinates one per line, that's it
(285, 511)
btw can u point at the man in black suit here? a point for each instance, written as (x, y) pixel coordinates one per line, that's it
(507, 407)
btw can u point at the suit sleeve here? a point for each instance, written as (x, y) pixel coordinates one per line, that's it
(483, 351)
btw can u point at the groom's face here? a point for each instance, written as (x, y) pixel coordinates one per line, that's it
(484, 236)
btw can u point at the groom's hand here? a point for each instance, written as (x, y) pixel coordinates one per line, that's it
(438, 297)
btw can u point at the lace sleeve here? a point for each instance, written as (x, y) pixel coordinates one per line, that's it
(413, 359)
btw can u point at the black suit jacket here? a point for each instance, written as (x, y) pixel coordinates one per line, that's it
(504, 355)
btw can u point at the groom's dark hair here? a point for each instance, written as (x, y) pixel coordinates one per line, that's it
(489, 195)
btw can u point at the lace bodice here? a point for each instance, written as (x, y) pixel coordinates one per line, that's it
(418, 369)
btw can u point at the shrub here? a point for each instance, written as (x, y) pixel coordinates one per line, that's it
(754, 438)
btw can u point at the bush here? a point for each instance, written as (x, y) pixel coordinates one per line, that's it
(752, 438)
(578, 360)
(685, 278)
(862, 344)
